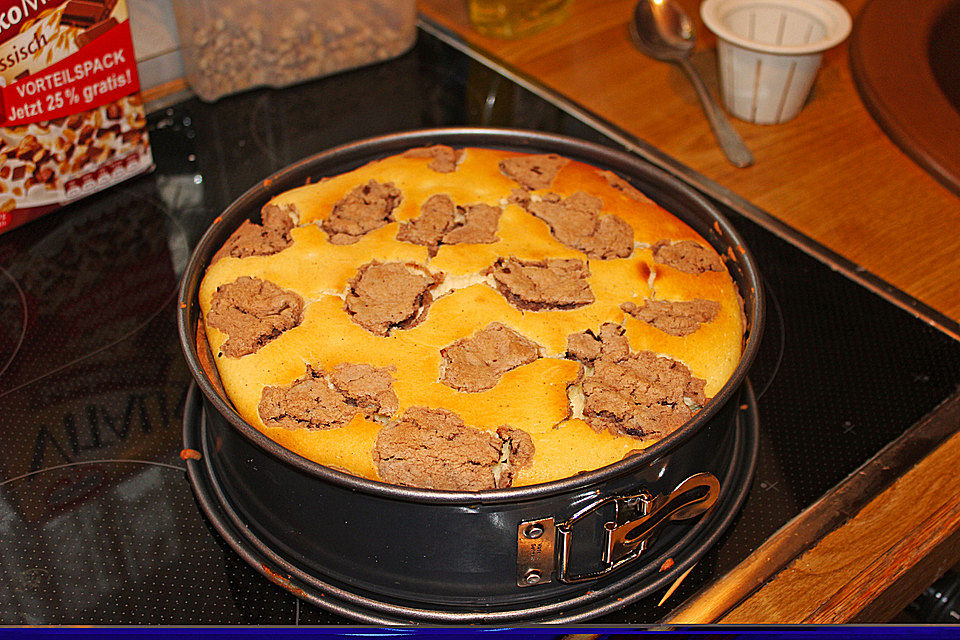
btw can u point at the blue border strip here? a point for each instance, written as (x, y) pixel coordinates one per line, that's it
(328, 633)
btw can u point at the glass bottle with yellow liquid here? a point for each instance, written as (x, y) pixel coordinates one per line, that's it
(516, 18)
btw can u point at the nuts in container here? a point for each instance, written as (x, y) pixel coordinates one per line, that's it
(233, 45)
(71, 121)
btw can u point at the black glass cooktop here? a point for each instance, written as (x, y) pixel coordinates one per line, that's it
(97, 521)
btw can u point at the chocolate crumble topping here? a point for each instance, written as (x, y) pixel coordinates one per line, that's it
(319, 400)
(366, 208)
(639, 394)
(477, 363)
(534, 285)
(679, 318)
(436, 218)
(576, 222)
(474, 224)
(252, 312)
(253, 239)
(392, 294)
(367, 387)
(687, 256)
(444, 158)
(533, 172)
(434, 449)
(519, 196)
(441, 222)
(587, 346)
(520, 452)
(310, 402)
(620, 184)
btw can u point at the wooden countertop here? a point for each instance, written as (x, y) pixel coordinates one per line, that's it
(833, 175)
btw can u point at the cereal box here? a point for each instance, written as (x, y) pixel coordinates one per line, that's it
(71, 120)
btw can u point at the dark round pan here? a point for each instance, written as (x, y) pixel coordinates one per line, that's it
(657, 571)
(454, 556)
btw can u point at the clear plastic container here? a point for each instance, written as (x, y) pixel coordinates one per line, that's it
(233, 45)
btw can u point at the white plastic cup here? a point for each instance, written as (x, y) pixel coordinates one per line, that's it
(769, 52)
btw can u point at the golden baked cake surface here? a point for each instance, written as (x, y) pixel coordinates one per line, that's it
(469, 319)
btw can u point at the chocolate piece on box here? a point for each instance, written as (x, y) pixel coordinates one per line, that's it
(18, 172)
(23, 74)
(43, 174)
(96, 31)
(27, 147)
(85, 13)
(85, 134)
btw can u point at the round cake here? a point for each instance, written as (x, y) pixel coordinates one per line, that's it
(469, 319)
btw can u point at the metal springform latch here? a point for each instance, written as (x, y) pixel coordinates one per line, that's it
(543, 546)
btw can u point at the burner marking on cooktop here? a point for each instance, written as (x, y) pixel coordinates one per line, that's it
(162, 206)
(783, 337)
(85, 462)
(23, 328)
(129, 334)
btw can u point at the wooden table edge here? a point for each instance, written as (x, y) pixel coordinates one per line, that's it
(171, 91)
(897, 470)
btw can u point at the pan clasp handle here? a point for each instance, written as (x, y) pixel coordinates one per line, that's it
(692, 497)
(636, 520)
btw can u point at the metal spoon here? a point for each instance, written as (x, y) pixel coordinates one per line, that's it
(663, 31)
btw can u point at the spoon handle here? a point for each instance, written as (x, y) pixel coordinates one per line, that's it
(730, 141)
